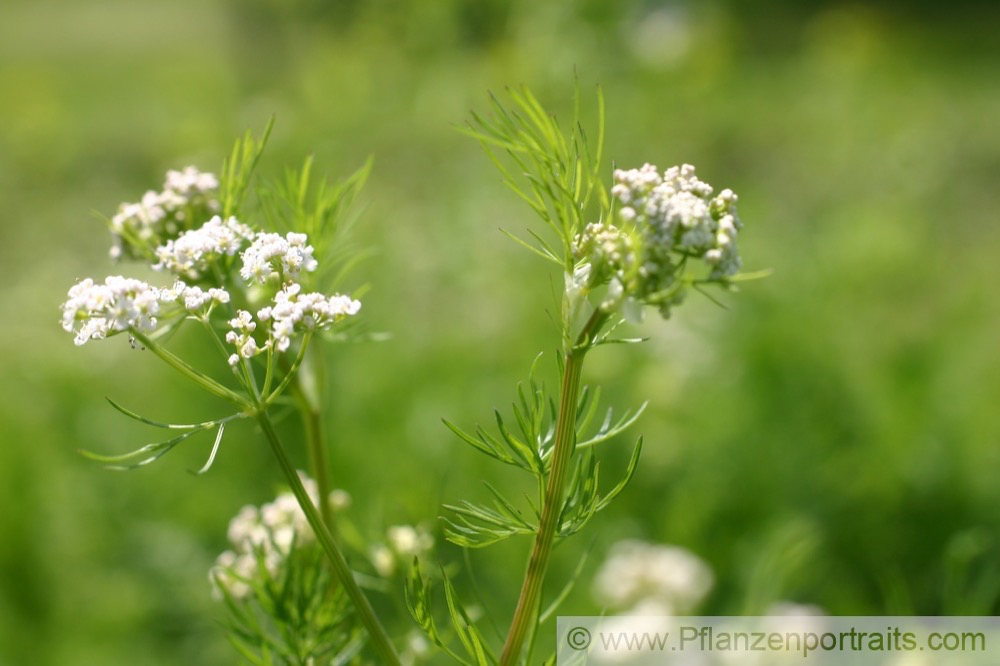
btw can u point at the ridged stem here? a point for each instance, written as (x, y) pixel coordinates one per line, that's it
(526, 614)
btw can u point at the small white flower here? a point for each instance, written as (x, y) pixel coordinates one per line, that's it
(193, 251)
(243, 321)
(195, 299)
(242, 525)
(241, 337)
(190, 182)
(138, 228)
(293, 313)
(271, 255)
(404, 543)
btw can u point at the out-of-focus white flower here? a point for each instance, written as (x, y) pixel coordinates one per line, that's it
(138, 228)
(272, 255)
(577, 283)
(383, 560)
(294, 313)
(793, 609)
(788, 616)
(233, 572)
(408, 540)
(269, 532)
(636, 571)
(661, 37)
(140, 218)
(190, 182)
(415, 649)
(404, 543)
(192, 252)
(650, 617)
(94, 311)
(339, 499)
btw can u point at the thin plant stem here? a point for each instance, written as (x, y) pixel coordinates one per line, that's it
(308, 390)
(317, 461)
(291, 370)
(526, 614)
(312, 387)
(376, 632)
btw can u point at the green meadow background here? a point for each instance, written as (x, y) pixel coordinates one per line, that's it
(831, 437)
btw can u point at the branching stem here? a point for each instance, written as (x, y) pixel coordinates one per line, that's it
(185, 369)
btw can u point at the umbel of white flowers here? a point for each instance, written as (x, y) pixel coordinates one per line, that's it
(266, 535)
(663, 222)
(187, 195)
(645, 575)
(203, 254)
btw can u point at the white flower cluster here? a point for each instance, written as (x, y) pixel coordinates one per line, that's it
(640, 574)
(664, 220)
(271, 255)
(159, 216)
(241, 336)
(293, 312)
(190, 183)
(290, 314)
(195, 299)
(268, 263)
(95, 311)
(266, 534)
(677, 211)
(191, 253)
(404, 543)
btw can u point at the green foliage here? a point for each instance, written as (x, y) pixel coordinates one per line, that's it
(418, 601)
(530, 450)
(238, 169)
(295, 616)
(563, 175)
(152, 452)
(323, 210)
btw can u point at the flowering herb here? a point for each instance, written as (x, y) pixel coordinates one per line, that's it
(261, 290)
(620, 249)
(246, 288)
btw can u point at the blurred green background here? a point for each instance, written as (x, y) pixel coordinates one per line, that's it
(833, 437)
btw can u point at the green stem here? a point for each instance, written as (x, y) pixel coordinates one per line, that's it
(526, 614)
(308, 390)
(376, 632)
(317, 461)
(270, 397)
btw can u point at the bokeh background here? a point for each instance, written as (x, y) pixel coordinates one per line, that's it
(831, 438)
